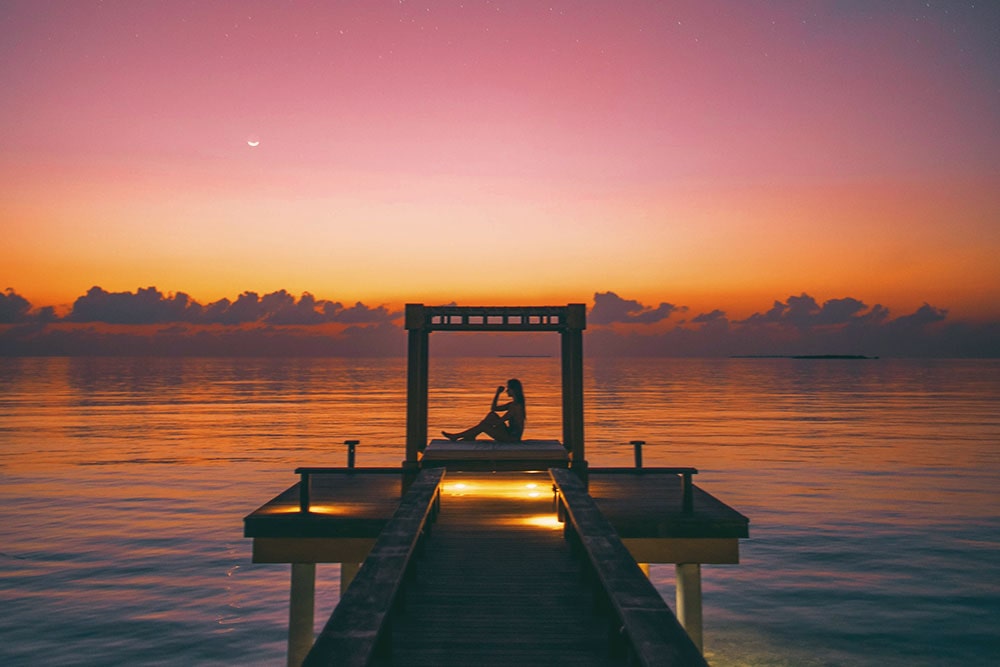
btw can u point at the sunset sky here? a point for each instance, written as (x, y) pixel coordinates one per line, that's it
(714, 155)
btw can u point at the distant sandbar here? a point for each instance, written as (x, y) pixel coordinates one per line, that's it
(801, 356)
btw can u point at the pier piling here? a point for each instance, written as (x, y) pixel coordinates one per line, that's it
(301, 612)
(689, 600)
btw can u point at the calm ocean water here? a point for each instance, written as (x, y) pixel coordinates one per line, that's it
(871, 487)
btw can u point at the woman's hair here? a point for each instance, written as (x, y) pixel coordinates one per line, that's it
(516, 391)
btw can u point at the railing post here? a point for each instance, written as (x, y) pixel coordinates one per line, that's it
(637, 444)
(687, 488)
(351, 444)
(304, 484)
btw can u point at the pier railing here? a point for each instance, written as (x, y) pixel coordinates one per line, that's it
(685, 473)
(359, 628)
(642, 623)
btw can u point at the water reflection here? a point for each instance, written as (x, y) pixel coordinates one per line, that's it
(870, 486)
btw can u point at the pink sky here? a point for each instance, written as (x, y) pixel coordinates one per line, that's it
(715, 155)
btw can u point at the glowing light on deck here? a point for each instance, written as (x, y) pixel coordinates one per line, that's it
(485, 487)
(313, 509)
(542, 521)
(285, 509)
(325, 509)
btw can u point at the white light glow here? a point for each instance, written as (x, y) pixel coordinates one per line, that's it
(542, 521)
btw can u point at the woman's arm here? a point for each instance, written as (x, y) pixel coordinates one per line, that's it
(496, 397)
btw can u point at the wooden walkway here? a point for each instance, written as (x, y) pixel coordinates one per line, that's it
(497, 584)
(495, 580)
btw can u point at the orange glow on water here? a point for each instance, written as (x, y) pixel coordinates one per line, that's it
(869, 485)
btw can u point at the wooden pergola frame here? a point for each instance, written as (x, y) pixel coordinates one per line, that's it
(568, 321)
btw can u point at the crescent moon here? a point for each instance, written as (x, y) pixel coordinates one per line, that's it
(252, 143)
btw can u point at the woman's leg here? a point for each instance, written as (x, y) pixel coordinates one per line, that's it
(492, 425)
(468, 434)
(495, 427)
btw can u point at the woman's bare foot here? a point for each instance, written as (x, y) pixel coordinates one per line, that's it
(451, 436)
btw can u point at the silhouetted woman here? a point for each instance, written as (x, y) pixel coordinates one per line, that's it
(505, 427)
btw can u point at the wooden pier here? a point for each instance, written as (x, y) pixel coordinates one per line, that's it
(497, 584)
(481, 553)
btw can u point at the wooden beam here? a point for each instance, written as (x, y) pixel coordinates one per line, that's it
(311, 549)
(572, 389)
(355, 630)
(416, 393)
(654, 633)
(708, 550)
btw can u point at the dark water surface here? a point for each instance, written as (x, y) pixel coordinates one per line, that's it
(871, 487)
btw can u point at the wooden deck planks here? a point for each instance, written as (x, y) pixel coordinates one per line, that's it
(496, 582)
(347, 503)
(356, 627)
(638, 504)
(645, 503)
(655, 635)
(494, 589)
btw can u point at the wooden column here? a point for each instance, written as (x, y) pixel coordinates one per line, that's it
(573, 341)
(416, 384)
(689, 600)
(567, 381)
(572, 374)
(301, 610)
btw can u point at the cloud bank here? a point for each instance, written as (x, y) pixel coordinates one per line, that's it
(800, 325)
(149, 322)
(150, 306)
(610, 308)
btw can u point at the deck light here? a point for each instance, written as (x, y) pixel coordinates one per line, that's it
(549, 521)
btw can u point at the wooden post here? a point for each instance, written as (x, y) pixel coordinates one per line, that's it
(687, 493)
(566, 365)
(572, 375)
(351, 444)
(301, 610)
(637, 444)
(689, 600)
(304, 489)
(416, 384)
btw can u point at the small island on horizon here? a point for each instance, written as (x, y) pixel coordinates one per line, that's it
(801, 356)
